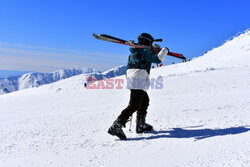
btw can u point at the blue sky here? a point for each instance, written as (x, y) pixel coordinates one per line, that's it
(46, 35)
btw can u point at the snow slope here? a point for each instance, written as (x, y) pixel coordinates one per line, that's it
(30, 80)
(201, 117)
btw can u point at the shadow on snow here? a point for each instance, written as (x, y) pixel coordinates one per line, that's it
(197, 134)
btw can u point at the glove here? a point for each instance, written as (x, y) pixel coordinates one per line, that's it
(163, 53)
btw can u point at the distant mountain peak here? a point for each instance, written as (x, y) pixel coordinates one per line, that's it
(35, 79)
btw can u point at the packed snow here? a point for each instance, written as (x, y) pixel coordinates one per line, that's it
(201, 117)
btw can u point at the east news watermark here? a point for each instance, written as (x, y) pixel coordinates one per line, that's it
(128, 83)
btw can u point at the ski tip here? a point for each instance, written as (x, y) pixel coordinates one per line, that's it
(96, 36)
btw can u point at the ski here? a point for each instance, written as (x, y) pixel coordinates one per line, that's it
(157, 49)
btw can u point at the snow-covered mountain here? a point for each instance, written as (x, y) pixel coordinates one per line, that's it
(113, 72)
(201, 118)
(37, 79)
(29, 80)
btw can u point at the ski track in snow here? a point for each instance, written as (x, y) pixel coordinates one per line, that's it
(201, 118)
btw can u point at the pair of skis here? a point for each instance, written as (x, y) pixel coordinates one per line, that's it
(156, 49)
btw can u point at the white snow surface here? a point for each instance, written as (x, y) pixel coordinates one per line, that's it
(36, 79)
(201, 117)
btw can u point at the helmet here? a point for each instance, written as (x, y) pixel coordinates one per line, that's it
(145, 39)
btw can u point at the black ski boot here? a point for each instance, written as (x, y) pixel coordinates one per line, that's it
(116, 129)
(141, 125)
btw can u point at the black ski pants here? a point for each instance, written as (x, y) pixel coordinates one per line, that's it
(139, 101)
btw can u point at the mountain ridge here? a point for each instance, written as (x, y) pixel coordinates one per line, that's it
(36, 79)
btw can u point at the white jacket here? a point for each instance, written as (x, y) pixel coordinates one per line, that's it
(137, 79)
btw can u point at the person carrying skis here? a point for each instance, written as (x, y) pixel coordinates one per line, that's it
(138, 69)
